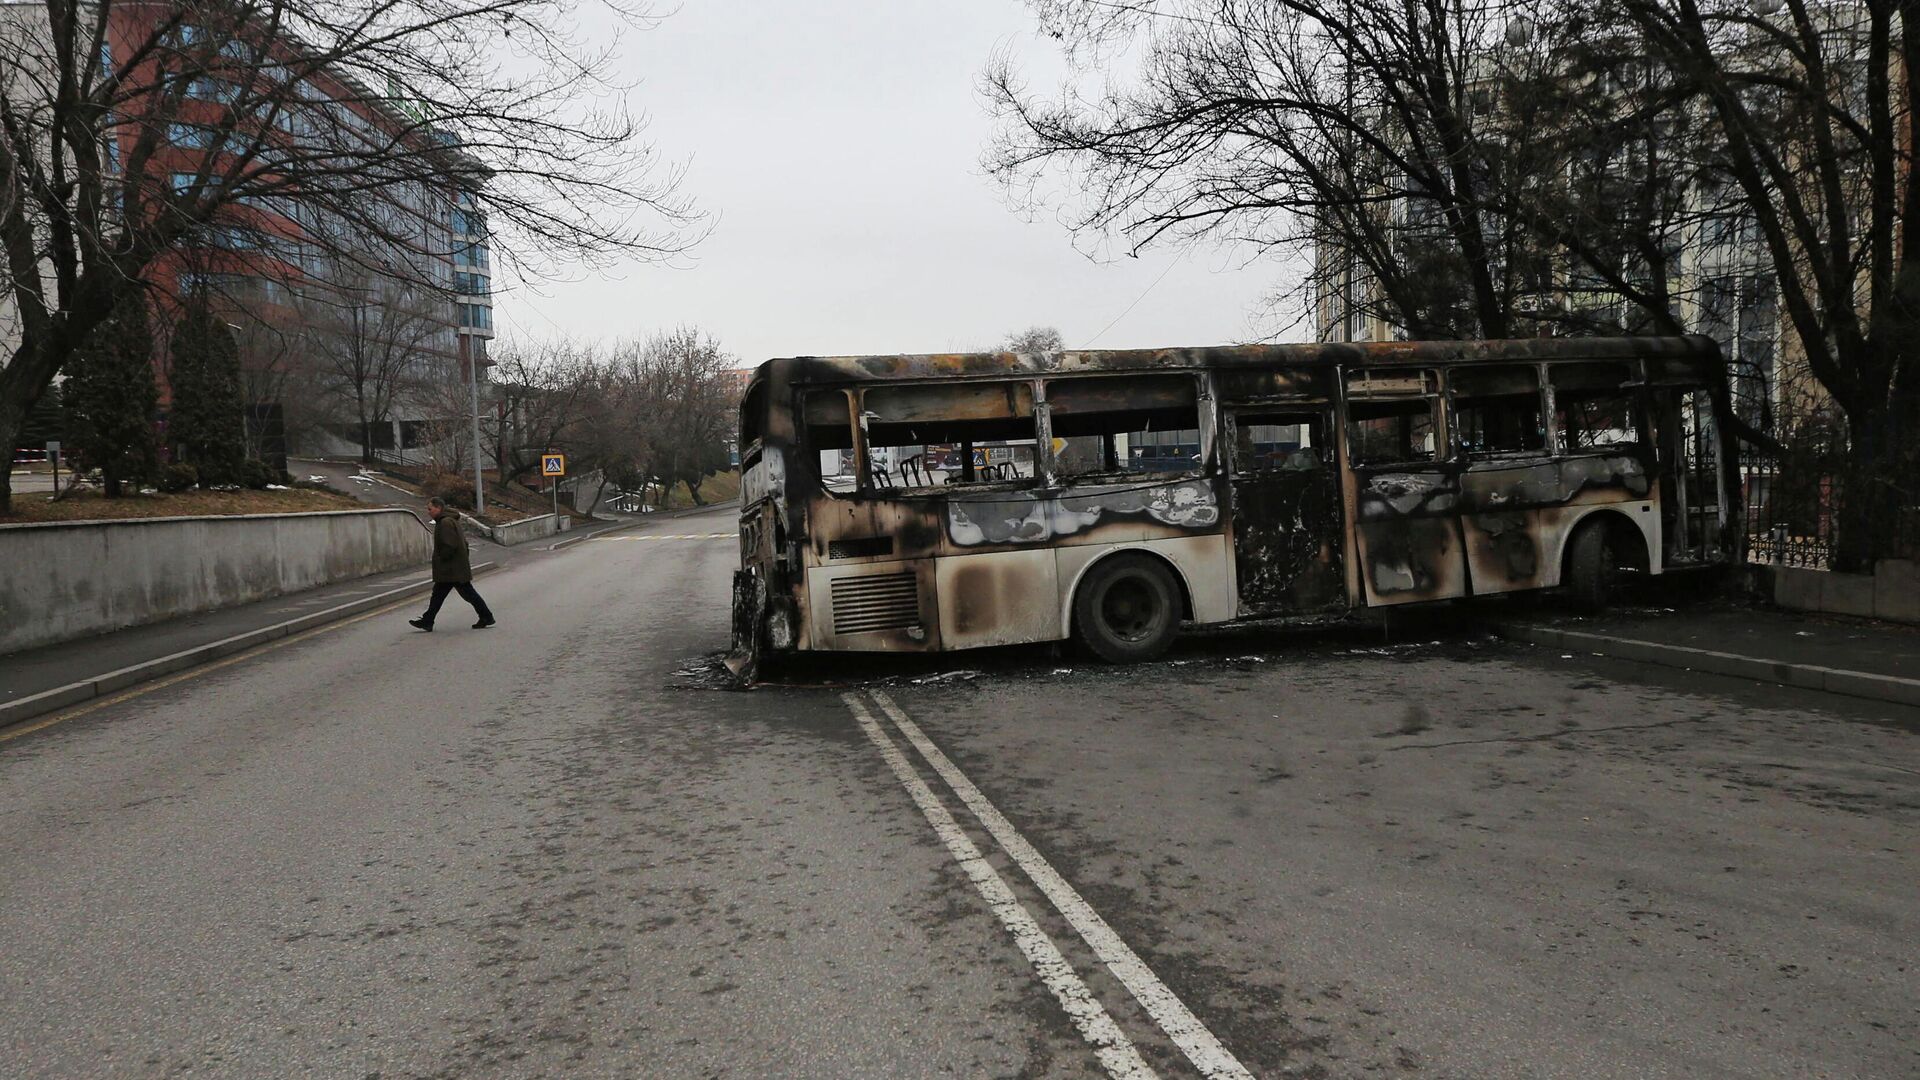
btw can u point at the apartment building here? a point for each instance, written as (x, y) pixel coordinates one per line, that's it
(370, 307)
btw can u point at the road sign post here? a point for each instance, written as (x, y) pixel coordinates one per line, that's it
(553, 467)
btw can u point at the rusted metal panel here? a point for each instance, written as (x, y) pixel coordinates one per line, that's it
(998, 598)
(1412, 559)
(1121, 394)
(912, 525)
(1275, 385)
(1700, 352)
(941, 402)
(1407, 533)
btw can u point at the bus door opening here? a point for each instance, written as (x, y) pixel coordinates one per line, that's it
(1287, 534)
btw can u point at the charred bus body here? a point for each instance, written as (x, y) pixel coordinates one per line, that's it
(923, 503)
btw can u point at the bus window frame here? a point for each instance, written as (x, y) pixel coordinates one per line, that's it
(1633, 389)
(862, 439)
(1457, 450)
(1205, 419)
(1439, 423)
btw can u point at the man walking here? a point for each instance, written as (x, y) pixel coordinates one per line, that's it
(451, 570)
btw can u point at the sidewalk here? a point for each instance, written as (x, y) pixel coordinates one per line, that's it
(1857, 657)
(55, 676)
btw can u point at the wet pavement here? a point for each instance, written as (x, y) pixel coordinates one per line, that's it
(565, 847)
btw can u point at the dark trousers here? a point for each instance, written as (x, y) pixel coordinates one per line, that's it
(467, 593)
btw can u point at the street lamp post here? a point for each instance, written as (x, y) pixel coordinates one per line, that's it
(474, 364)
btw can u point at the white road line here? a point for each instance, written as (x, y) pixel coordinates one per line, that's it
(1185, 1029)
(1115, 1051)
(661, 536)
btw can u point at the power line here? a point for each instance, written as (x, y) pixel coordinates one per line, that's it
(1136, 303)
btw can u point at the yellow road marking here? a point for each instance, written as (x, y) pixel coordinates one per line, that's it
(31, 726)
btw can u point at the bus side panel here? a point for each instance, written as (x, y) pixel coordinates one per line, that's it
(1203, 563)
(1516, 516)
(1558, 523)
(997, 598)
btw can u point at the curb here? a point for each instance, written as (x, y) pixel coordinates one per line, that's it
(26, 708)
(643, 520)
(1860, 684)
(597, 532)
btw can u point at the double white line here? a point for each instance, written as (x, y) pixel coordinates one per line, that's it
(1115, 1051)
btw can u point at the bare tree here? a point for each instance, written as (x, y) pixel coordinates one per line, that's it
(1282, 124)
(669, 411)
(543, 391)
(373, 337)
(1035, 341)
(1446, 170)
(341, 128)
(1814, 111)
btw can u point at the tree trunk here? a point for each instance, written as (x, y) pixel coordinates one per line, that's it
(1864, 492)
(1876, 519)
(693, 490)
(10, 423)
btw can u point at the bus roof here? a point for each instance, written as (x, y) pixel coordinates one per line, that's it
(817, 370)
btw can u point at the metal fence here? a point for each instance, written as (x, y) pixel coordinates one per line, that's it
(1797, 508)
(1792, 508)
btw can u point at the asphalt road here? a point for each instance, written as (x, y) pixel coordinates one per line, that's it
(558, 848)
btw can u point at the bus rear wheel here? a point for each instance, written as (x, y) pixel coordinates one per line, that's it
(1127, 609)
(1592, 569)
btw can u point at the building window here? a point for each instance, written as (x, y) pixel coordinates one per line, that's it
(192, 136)
(208, 88)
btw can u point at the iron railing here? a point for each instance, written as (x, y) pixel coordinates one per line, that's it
(1792, 510)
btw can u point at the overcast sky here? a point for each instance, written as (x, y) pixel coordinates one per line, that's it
(836, 143)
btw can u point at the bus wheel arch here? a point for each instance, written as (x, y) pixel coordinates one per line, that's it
(1601, 544)
(1127, 606)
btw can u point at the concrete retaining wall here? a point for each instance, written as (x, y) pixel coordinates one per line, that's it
(65, 580)
(534, 528)
(1891, 592)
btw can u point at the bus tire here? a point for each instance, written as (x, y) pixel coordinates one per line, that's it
(1592, 568)
(1127, 609)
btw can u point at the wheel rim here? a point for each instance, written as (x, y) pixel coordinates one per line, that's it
(1131, 609)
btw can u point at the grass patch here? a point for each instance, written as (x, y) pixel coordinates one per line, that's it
(92, 506)
(718, 488)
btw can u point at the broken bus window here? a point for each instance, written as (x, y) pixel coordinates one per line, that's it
(1496, 410)
(1279, 441)
(936, 436)
(1135, 424)
(1390, 416)
(1594, 407)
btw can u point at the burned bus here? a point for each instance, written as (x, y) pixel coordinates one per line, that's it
(925, 503)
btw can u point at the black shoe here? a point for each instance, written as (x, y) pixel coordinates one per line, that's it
(421, 624)
(483, 624)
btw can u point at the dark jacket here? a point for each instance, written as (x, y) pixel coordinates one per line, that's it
(450, 551)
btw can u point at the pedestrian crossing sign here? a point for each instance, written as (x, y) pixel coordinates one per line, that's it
(553, 464)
